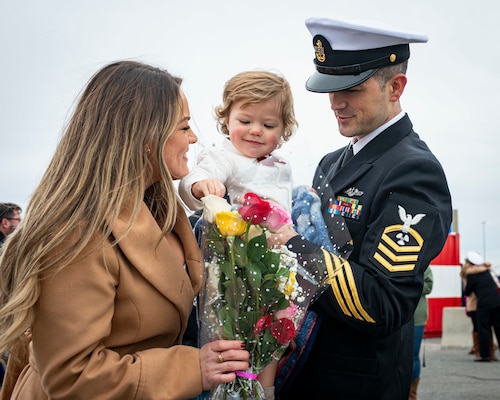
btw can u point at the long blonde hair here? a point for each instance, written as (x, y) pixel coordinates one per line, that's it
(111, 144)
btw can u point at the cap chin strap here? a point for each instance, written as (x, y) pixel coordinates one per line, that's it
(357, 69)
(355, 62)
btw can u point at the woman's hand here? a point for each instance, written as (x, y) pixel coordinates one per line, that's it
(219, 360)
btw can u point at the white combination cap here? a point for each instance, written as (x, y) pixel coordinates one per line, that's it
(347, 53)
(475, 258)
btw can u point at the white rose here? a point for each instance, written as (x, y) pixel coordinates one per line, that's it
(212, 205)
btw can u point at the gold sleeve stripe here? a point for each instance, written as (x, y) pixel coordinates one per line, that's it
(353, 293)
(345, 290)
(334, 283)
(340, 300)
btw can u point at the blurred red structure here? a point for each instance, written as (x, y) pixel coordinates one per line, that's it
(447, 287)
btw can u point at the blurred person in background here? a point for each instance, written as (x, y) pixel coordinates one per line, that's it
(470, 304)
(481, 280)
(10, 218)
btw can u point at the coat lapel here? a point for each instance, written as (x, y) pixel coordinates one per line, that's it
(341, 178)
(157, 263)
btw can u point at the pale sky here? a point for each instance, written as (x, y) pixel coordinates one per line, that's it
(49, 50)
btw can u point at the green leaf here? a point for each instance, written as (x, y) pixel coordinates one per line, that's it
(272, 261)
(269, 345)
(226, 268)
(236, 293)
(282, 303)
(254, 275)
(215, 242)
(257, 248)
(270, 295)
(227, 316)
(239, 251)
(247, 323)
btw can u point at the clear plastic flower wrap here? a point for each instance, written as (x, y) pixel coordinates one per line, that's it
(252, 293)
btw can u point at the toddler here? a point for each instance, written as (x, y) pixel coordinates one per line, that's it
(257, 117)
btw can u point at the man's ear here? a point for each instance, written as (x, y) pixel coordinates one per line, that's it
(397, 86)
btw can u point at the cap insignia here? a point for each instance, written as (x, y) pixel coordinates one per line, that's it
(392, 57)
(320, 51)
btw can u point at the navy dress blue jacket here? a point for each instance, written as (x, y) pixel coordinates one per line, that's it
(395, 200)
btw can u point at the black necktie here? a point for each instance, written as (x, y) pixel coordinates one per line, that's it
(348, 154)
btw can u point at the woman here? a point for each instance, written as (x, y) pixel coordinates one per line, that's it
(470, 303)
(104, 268)
(481, 281)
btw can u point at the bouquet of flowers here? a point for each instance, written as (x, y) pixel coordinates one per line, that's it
(252, 293)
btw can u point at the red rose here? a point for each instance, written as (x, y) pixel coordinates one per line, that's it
(263, 323)
(283, 330)
(254, 209)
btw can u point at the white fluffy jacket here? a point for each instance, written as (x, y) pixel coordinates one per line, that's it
(270, 178)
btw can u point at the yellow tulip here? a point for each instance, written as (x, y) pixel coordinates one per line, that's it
(230, 223)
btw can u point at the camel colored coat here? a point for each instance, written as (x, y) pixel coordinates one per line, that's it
(109, 325)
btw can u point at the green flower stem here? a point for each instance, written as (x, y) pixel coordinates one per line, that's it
(230, 241)
(255, 296)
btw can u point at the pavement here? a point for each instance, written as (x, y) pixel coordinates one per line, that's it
(452, 374)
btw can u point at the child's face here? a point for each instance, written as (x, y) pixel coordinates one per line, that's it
(255, 129)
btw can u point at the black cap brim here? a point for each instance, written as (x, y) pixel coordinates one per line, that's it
(325, 83)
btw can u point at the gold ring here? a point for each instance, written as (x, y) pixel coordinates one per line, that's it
(221, 359)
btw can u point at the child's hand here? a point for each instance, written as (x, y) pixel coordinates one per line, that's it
(281, 236)
(208, 186)
(267, 375)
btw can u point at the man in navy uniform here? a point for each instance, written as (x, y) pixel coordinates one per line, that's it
(393, 195)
